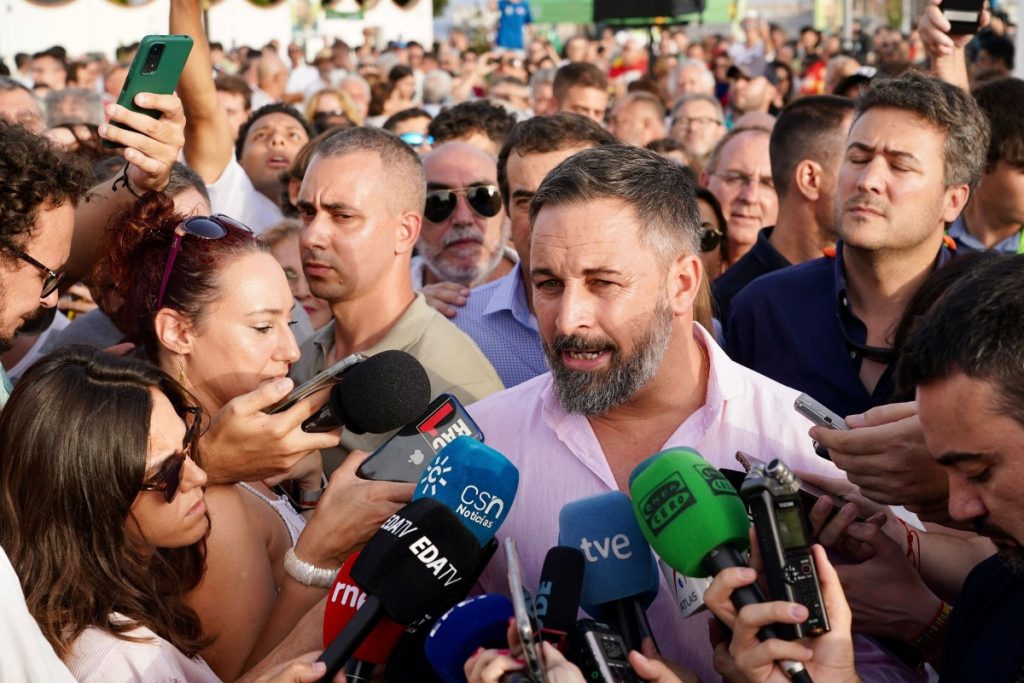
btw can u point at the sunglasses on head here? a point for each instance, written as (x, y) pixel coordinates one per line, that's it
(205, 227)
(168, 477)
(484, 200)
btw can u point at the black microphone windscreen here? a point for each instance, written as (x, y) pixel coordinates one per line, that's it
(561, 582)
(386, 391)
(420, 562)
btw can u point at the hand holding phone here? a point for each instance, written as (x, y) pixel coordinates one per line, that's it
(964, 16)
(525, 622)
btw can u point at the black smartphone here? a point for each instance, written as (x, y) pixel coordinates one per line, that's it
(324, 378)
(156, 68)
(405, 455)
(963, 16)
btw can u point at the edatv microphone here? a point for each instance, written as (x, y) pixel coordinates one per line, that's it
(481, 621)
(558, 596)
(474, 481)
(695, 520)
(383, 392)
(621, 577)
(418, 564)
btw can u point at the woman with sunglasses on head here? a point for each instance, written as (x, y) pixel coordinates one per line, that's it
(208, 303)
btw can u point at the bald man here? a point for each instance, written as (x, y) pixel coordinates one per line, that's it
(637, 119)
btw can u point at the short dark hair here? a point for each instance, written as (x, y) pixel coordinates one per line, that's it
(34, 174)
(398, 72)
(1001, 100)
(582, 74)
(975, 329)
(658, 190)
(273, 108)
(946, 107)
(1000, 48)
(464, 118)
(235, 85)
(53, 53)
(808, 128)
(21, 58)
(405, 115)
(542, 134)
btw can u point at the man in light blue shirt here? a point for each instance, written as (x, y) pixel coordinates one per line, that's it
(499, 315)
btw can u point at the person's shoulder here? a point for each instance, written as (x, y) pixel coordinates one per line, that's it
(803, 277)
(521, 394)
(99, 656)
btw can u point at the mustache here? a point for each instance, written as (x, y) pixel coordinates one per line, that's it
(577, 344)
(986, 528)
(866, 202)
(462, 235)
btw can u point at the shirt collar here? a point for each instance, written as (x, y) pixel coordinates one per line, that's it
(510, 295)
(404, 333)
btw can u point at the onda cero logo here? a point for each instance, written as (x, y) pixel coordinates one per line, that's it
(718, 484)
(666, 502)
(433, 478)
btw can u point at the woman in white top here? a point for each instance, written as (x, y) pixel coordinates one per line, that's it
(212, 307)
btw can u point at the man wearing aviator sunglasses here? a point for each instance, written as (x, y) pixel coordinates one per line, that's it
(464, 232)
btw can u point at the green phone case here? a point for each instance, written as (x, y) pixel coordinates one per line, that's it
(143, 78)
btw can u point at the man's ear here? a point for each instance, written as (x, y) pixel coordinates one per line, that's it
(684, 277)
(407, 232)
(954, 201)
(173, 331)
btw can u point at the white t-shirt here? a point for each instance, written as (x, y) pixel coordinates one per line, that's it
(234, 195)
(26, 654)
(100, 657)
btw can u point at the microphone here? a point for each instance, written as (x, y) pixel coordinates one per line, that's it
(481, 621)
(474, 481)
(558, 597)
(383, 392)
(621, 577)
(695, 520)
(418, 564)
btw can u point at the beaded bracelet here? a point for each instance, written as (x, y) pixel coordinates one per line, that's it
(934, 627)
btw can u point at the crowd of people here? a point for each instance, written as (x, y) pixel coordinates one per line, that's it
(603, 249)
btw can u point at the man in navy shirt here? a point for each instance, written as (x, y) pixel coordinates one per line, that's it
(915, 149)
(805, 147)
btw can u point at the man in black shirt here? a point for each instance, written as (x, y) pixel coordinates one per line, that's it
(806, 146)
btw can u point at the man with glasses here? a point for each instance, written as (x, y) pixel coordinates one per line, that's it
(806, 145)
(464, 232)
(361, 205)
(697, 122)
(739, 175)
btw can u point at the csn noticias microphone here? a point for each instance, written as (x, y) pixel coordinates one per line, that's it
(474, 481)
(558, 596)
(417, 565)
(695, 520)
(481, 621)
(383, 392)
(621, 577)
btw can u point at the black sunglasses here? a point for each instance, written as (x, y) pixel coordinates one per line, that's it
(485, 200)
(710, 238)
(205, 227)
(51, 278)
(168, 478)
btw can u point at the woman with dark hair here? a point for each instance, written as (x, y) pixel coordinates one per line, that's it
(209, 304)
(104, 516)
(714, 246)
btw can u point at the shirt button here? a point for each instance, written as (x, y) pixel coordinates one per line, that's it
(845, 302)
(853, 354)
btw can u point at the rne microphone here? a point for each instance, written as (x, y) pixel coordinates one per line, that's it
(695, 520)
(416, 566)
(382, 393)
(474, 481)
(558, 596)
(480, 621)
(621, 577)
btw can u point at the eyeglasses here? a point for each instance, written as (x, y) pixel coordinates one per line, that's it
(697, 121)
(168, 478)
(416, 139)
(52, 277)
(710, 238)
(485, 200)
(736, 180)
(205, 227)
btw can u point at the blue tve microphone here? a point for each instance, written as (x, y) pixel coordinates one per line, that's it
(621, 577)
(481, 621)
(474, 481)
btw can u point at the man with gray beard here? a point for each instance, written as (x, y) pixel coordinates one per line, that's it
(464, 230)
(615, 268)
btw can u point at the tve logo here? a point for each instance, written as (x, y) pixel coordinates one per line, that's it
(617, 546)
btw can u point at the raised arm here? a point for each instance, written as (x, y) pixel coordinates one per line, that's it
(208, 146)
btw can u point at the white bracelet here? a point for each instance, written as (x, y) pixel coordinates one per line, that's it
(307, 574)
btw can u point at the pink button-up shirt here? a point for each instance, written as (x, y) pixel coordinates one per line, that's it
(560, 460)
